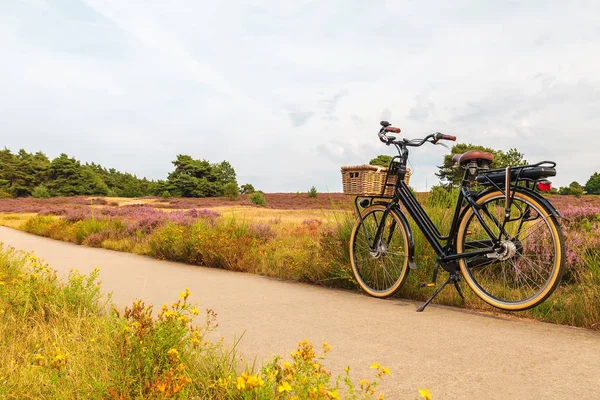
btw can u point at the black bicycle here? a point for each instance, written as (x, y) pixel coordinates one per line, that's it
(505, 239)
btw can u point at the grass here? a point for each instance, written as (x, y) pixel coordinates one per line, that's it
(312, 246)
(61, 339)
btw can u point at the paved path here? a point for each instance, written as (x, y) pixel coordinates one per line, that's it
(455, 353)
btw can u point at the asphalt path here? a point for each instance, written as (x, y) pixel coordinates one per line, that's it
(455, 353)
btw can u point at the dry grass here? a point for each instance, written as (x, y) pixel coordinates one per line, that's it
(254, 214)
(14, 220)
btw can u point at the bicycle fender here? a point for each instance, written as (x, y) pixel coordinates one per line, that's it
(411, 241)
(538, 197)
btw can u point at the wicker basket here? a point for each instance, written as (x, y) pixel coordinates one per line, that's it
(368, 180)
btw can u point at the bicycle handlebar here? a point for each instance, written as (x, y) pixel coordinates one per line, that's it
(435, 137)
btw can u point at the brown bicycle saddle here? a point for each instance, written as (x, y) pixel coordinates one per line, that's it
(464, 158)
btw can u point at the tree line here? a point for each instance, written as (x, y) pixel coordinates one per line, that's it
(24, 174)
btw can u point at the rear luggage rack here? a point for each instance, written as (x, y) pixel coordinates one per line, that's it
(530, 173)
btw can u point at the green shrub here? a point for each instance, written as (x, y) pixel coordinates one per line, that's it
(258, 199)
(312, 193)
(40, 192)
(247, 189)
(231, 190)
(166, 194)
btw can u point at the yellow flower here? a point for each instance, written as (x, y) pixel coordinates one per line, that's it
(380, 397)
(386, 371)
(285, 387)
(173, 352)
(241, 383)
(161, 387)
(424, 393)
(326, 347)
(333, 394)
(185, 294)
(375, 365)
(195, 311)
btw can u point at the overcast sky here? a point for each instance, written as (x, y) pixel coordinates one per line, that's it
(289, 91)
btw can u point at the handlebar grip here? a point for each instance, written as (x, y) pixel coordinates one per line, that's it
(391, 129)
(448, 137)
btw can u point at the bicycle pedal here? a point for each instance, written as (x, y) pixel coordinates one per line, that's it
(426, 284)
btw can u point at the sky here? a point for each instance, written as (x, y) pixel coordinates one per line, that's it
(290, 91)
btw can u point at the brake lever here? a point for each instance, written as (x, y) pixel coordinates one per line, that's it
(443, 144)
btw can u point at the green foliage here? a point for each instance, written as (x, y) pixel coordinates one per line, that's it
(199, 178)
(258, 198)
(247, 189)
(592, 186)
(381, 160)
(451, 174)
(231, 191)
(312, 193)
(574, 189)
(444, 197)
(166, 194)
(40, 191)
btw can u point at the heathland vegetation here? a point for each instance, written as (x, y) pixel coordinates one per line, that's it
(302, 245)
(61, 339)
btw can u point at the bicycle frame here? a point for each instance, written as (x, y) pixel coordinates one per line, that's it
(402, 195)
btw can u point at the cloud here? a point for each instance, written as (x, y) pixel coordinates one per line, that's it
(288, 92)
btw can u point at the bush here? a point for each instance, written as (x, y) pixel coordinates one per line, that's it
(312, 193)
(231, 191)
(40, 192)
(247, 189)
(258, 199)
(166, 194)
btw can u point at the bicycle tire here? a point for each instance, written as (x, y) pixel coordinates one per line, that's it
(369, 268)
(533, 255)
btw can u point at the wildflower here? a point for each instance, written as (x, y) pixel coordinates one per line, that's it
(161, 387)
(173, 352)
(326, 347)
(241, 383)
(224, 382)
(385, 371)
(424, 393)
(333, 394)
(284, 387)
(195, 311)
(375, 365)
(185, 294)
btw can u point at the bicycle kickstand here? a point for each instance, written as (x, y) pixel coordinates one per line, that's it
(452, 278)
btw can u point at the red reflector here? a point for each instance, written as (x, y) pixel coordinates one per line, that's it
(544, 186)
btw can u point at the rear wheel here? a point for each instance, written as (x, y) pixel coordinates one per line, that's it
(380, 268)
(527, 265)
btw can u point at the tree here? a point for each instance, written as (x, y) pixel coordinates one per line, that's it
(247, 189)
(592, 186)
(199, 178)
(381, 160)
(576, 189)
(451, 175)
(224, 172)
(231, 191)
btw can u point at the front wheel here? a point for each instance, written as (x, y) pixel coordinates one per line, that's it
(528, 261)
(380, 268)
